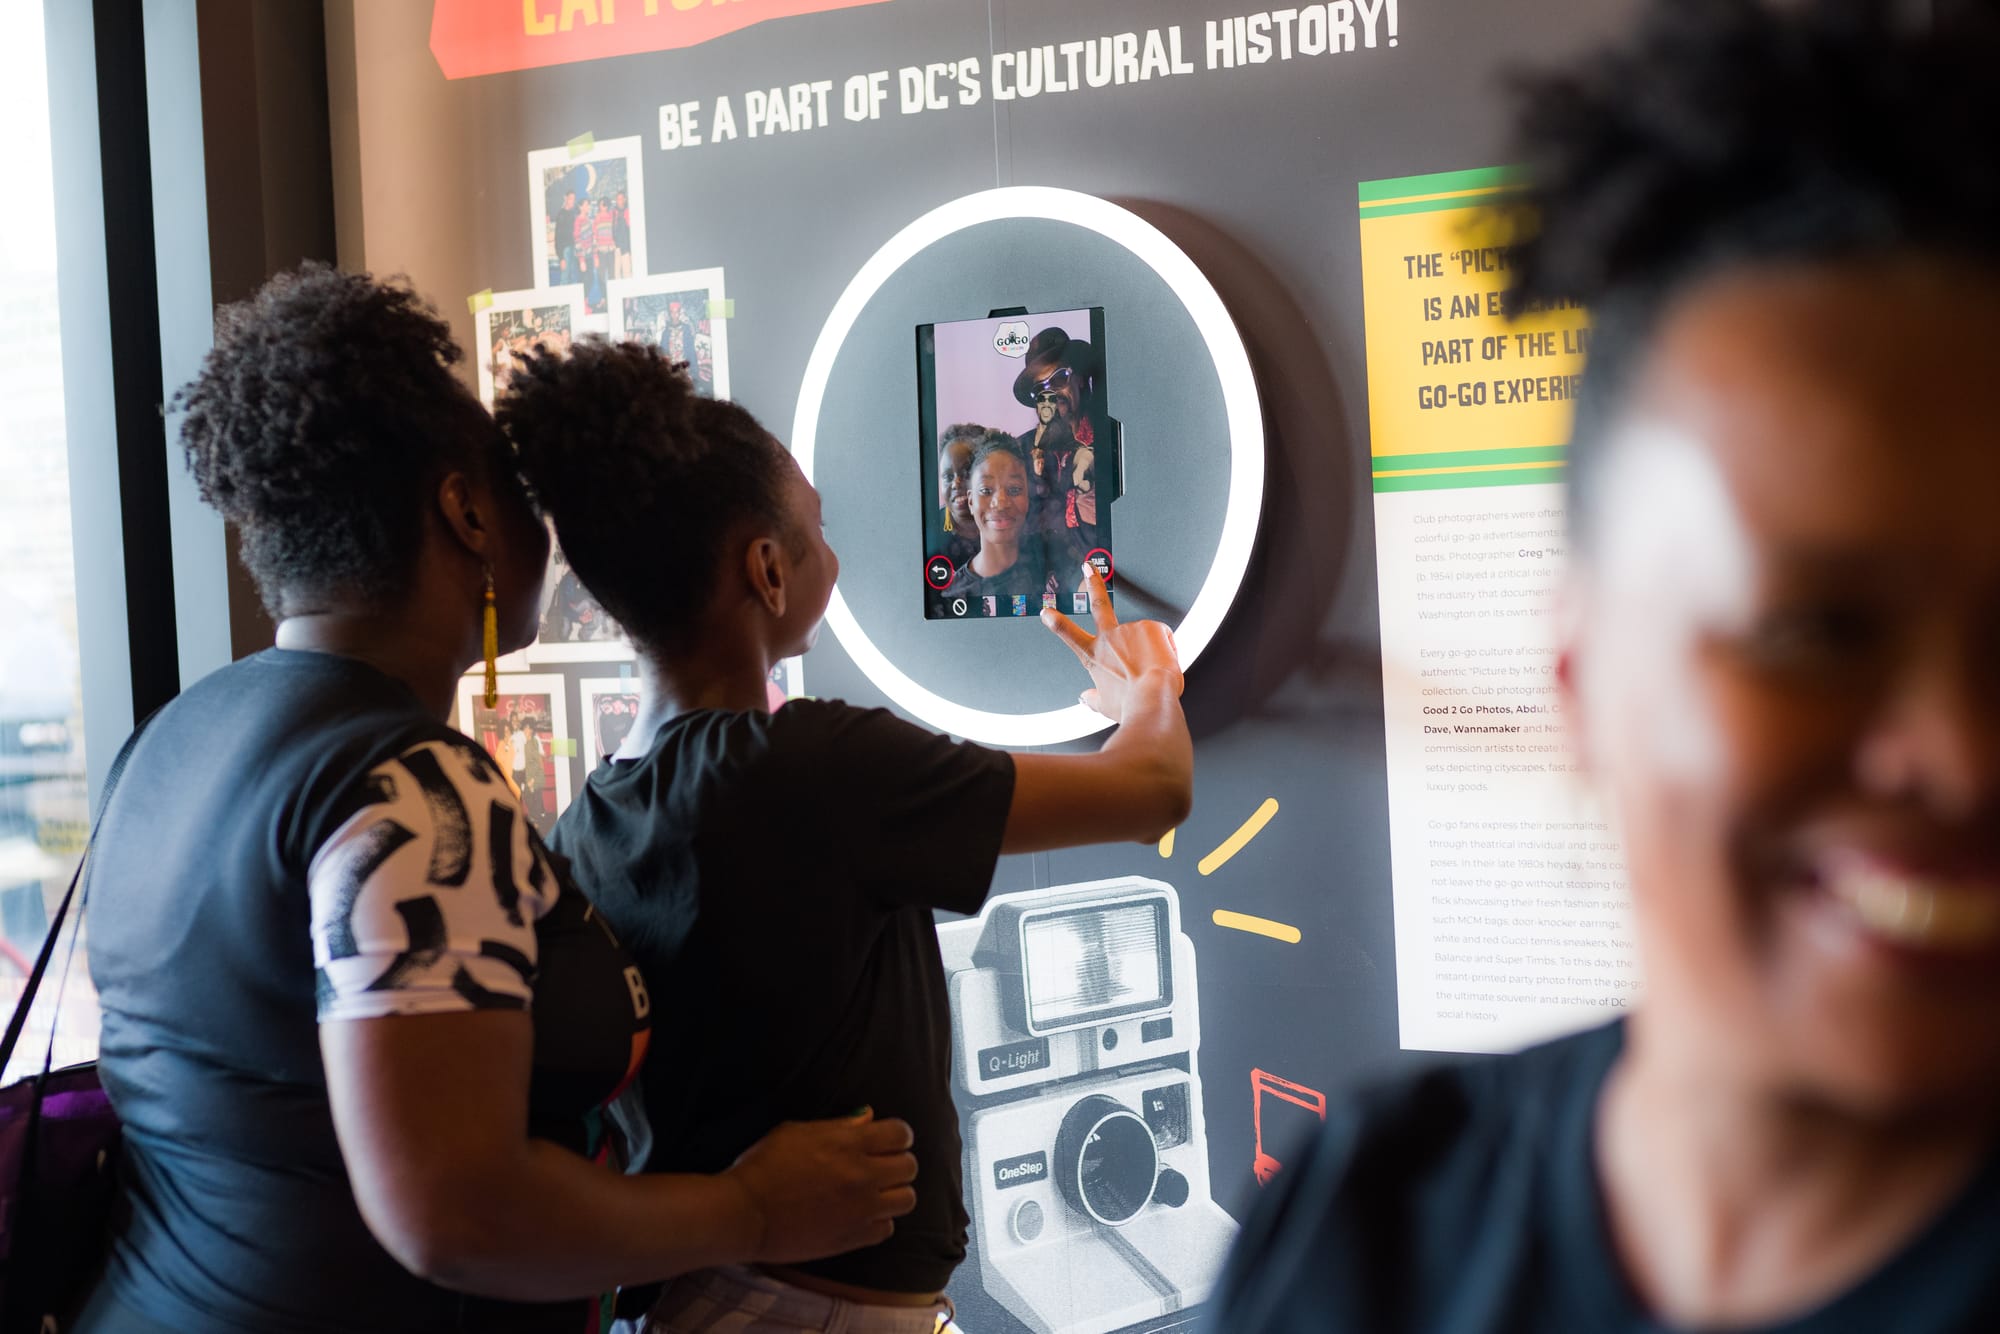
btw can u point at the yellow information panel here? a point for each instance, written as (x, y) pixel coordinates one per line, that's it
(1509, 893)
(1458, 395)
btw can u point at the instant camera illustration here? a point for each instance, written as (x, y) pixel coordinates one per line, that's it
(1075, 1030)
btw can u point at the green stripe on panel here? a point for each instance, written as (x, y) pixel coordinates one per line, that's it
(1429, 206)
(1437, 183)
(1458, 481)
(1466, 458)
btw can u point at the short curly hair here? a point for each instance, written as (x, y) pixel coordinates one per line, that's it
(1741, 133)
(963, 433)
(643, 478)
(322, 419)
(997, 442)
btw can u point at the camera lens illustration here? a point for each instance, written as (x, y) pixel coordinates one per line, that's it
(1107, 1160)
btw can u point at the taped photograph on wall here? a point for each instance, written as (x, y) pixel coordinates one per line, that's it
(675, 312)
(608, 706)
(527, 734)
(587, 216)
(1018, 463)
(575, 626)
(518, 322)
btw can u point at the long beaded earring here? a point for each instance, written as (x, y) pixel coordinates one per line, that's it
(490, 638)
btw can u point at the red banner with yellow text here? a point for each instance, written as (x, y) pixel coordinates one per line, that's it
(473, 37)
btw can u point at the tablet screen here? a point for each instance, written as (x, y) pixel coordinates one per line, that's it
(1017, 463)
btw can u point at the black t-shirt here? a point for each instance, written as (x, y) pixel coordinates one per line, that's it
(296, 840)
(1466, 1201)
(775, 875)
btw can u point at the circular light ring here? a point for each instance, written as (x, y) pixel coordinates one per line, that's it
(1239, 394)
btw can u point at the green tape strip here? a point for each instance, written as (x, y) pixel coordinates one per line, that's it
(479, 301)
(1433, 205)
(582, 144)
(1441, 182)
(564, 746)
(1470, 458)
(1459, 481)
(722, 310)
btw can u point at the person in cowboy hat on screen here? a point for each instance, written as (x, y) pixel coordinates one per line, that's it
(1076, 449)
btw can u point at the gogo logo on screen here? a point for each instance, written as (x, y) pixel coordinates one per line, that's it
(1011, 339)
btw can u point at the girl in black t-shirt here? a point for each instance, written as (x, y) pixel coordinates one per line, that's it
(776, 873)
(360, 1027)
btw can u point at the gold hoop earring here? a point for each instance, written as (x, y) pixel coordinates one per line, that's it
(490, 638)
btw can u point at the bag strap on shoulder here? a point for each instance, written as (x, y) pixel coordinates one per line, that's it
(19, 1021)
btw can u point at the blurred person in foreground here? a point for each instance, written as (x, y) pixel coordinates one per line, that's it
(1779, 653)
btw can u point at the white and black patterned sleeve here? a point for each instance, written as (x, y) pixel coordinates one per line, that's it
(425, 900)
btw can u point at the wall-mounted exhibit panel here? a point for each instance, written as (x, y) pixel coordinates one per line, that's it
(1120, 244)
(1511, 924)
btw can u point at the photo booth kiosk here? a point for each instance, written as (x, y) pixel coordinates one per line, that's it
(1183, 421)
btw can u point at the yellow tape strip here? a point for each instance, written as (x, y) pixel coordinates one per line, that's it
(582, 144)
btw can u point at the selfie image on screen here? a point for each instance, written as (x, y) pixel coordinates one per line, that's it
(1018, 463)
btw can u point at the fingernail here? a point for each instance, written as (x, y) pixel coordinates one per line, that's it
(1048, 617)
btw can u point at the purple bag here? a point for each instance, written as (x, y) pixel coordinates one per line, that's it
(59, 1142)
(58, 1152)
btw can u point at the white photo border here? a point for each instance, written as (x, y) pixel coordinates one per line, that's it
(587, 650)
(686, 280)
(594, 650)
(472, 692)
(534, 298)
(590, 689)
(540, 160)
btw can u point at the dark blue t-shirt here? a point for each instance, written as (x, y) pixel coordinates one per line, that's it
(1465, 1201)
(236, 1213)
